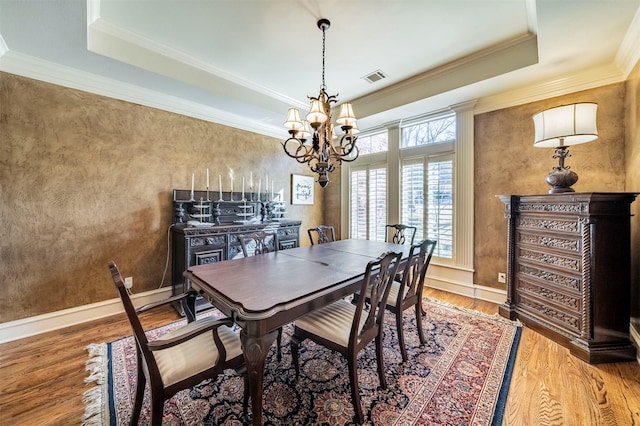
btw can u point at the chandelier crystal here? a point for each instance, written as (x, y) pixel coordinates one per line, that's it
(322, 154)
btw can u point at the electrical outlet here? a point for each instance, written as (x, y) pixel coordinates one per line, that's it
(128, 282)
(502, 277)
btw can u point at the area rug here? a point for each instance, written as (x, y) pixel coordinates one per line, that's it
(459, 377)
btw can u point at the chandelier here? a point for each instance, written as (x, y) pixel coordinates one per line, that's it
(322, 153)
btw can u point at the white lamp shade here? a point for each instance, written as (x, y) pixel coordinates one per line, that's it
(293, 120)
(346, 117)
(565, 125)
(316, 113)
(305, 131)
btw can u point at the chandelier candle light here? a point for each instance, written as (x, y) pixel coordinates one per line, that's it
(559, 128)
(322, 154)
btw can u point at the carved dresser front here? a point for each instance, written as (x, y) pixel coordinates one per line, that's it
(569, 270)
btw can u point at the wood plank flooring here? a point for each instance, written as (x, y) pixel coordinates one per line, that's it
(42, 377)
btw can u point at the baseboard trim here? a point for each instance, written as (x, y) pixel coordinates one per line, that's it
(474, 291)
(26, 327)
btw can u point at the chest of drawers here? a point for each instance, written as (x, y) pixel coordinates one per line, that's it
(568, 270)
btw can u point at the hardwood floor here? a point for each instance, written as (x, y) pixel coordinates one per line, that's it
(42, 377)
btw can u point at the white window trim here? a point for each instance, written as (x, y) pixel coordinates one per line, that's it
(464, 184)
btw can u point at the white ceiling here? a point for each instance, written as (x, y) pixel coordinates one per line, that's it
(244, 62)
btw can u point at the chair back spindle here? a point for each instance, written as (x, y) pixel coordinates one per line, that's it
(400, 234)
(376, 284)
(324, 234)
(258, 242)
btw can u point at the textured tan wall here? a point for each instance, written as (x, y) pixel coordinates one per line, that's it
(632, 121)
(85, 179)
(507, 163)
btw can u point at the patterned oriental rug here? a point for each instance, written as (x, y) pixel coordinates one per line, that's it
(459, 377)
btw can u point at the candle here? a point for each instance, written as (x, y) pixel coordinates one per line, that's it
(266, 184)
(259, 187)
(231, 186)
(243, 187)
(193, 177)
(220, 185)
(250, 180)
(207, 179)
(271, 189)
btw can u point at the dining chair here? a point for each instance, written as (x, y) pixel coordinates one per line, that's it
(182, 358)
(408, 293)
(324, 234)
(258, 242)
(399, 233)
(347, 328)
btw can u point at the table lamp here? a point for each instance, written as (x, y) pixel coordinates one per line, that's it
(559, 128)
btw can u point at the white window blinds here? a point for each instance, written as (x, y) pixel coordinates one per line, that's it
(368, 203)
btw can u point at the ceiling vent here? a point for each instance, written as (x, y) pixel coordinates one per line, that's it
(375, 76)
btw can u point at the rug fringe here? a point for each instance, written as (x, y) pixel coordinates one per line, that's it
(97, 355)
(94, 399)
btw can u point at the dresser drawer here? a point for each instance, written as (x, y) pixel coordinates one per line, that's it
(540, 223)
(567, 283)
(566, 263)
(561, 316)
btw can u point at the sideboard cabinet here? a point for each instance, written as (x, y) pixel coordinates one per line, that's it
(568, 270)
(199, 245)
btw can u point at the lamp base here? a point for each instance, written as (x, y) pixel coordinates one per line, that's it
(560, 180)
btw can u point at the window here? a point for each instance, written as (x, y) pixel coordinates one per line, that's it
(426, 185)
(412, 200)
(427, 201)
(373, 143)
(432, 131)
(368, 203)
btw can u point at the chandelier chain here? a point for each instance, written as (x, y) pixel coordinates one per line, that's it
(323, 47)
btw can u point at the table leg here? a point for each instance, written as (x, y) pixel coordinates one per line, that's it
(255, 349)
(189, 306)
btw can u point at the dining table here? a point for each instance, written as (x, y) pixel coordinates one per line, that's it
(265, 292)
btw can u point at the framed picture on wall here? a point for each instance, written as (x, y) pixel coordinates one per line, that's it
(302, 189)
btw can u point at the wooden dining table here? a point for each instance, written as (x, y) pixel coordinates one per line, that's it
(263, 293)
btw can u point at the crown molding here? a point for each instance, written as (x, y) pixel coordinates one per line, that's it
(589, 79)
(28, 66)
(3, 46)
(629, 52)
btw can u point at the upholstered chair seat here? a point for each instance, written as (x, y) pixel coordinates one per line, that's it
(195, 355)
(332, 322)
(392, 300)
